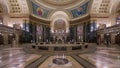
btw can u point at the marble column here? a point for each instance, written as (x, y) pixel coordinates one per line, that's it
(84, 32)
(75, 33)
(102, 39)
(113, 38)
(15, 41)
(44, 34)
(37, 37)
(5, 38)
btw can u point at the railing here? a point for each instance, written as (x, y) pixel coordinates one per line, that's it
(55, 48)
(112, 29)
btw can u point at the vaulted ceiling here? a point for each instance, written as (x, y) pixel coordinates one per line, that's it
(59, 3)
(16, 8)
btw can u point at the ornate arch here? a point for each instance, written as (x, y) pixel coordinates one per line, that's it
(59, 15)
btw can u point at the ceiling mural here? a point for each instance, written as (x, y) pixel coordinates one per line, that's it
(43, 8)
(74, 8)
(43, 12)
(79, 11)
(39, 10)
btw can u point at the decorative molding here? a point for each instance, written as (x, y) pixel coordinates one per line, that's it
(39, 21)
(80, 21)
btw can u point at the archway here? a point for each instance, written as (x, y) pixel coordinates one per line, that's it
(59, 16)
(59, 26)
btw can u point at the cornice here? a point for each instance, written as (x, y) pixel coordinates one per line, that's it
(38, 20)
(80, 21)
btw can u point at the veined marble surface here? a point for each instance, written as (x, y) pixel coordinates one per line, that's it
(103, 57)
(14, 58)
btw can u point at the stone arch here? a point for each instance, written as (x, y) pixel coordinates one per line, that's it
(113, 11)
(59, 15)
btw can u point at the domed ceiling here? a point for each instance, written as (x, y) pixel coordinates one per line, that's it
(59, 24)
(59, 3)
(73, 8)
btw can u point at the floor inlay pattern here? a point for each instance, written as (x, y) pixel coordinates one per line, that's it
(102, 57)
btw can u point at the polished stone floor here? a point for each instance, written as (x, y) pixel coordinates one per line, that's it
(103, 57)
(72, 63)
(14, 58)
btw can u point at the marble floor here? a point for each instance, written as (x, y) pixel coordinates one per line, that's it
(103, 57)
(15, 58)
(72, 63)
